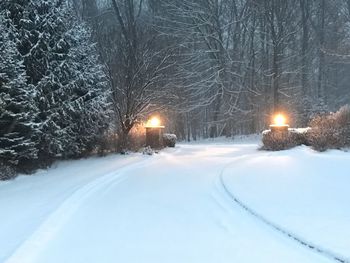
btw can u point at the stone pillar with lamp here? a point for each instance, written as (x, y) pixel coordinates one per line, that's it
(154, 133)
(277, 137)
(281, 137)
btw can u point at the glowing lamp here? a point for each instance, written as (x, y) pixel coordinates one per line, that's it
(279, 123)
(279, 119)
(153, 122)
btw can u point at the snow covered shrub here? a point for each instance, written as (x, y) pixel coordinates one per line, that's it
(169, 140)
(300, 135)
(343, 122)
(330, 131)
(323, 135)
(6, 172)
(148, 150)
(276, 141)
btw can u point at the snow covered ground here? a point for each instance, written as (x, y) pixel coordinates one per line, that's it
(180, 206)
(302, 191)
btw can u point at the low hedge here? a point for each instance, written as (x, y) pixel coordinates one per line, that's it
(7, 172)
(169, 140)
(279, 140)
(326, 131)
(331, 131)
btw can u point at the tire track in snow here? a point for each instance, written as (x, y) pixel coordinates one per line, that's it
(30, 249)
(285, 232)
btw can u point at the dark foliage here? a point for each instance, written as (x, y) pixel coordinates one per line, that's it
(55, 98)
(330, 131)
(17, 111)
(278, 140)
(6, 172)
(169, 140)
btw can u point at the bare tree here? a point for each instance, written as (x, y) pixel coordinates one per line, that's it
(233, 63)
(139, 67)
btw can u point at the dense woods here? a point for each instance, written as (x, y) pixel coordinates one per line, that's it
(223, 67)
(76, 76)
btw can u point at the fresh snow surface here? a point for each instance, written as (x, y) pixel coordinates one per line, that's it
(300, 190)
(174, 207)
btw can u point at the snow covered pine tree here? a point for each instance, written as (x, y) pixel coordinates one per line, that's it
(62, 65)
(90, 99)
(17, 108)
(74, 91)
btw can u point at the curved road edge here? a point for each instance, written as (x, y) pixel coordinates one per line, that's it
(285, 232)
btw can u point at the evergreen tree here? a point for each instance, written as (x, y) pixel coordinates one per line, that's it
(91, 90)
(17, 107)
(77, 107)
(74, 91)
(62, 65)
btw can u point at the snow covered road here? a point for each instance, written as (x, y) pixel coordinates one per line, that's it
(164, 208)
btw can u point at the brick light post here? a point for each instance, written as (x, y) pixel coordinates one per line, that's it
(154, 133)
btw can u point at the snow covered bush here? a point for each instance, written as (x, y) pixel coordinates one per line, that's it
(148, 150)
(279, 140)
(300, 135)
(6, 172)
(330, 131)
(169, 140)
(276, 141)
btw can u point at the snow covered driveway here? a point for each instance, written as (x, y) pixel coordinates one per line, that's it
(170, 207)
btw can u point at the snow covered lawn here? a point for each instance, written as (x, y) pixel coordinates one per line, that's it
(178, 206)
(300, 190)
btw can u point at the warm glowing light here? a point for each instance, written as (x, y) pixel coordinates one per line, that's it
(279, 119)
(153, 122)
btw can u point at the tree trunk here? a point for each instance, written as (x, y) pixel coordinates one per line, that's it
(275, 81)
(304, 7)
(320, 88)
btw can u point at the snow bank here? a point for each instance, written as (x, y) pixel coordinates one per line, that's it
(26, 201)
(305, 192)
